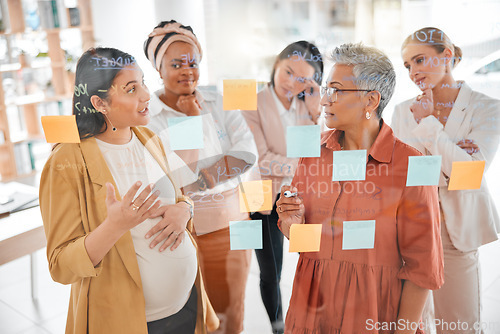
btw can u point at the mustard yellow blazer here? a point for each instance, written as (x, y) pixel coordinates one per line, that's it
(107, 298)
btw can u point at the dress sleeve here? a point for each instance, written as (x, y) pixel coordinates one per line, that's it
(63, 224)
(484, 130)
(419, 237)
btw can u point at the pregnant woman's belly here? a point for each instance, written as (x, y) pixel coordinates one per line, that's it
(168, 276)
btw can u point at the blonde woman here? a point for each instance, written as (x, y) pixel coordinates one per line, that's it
(451, 120)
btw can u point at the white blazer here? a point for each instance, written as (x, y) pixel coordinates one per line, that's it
(470, 216)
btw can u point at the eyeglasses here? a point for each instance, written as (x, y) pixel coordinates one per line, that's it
(330, 92)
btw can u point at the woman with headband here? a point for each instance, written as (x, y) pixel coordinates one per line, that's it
(451, 120)
(291, 98)
(209, 175)
(102, 215)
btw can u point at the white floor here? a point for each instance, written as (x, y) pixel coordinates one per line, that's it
(20, 315)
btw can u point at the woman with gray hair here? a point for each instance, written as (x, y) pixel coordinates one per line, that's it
(380, 248)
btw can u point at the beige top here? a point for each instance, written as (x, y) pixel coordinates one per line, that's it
(168, 276)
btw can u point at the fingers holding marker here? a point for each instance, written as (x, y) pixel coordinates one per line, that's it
(289, 197)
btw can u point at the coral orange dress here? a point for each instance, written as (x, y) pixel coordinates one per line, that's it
(358, 291)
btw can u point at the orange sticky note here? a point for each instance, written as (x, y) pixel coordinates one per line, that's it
(256, 196)
(60, 129)
(239, 94)
(466, 175)
(305, 238)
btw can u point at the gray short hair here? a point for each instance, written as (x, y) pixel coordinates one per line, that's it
(372, 69)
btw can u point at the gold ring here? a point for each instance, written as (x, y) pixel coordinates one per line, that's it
(280, 209)
(134, 207)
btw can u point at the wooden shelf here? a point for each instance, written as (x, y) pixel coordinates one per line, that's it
(35, 99)
(27, 139)
(42, 30)
(35, 65)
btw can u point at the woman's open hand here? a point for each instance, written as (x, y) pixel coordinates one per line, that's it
(423, 105)
(171, 227)
(129, 212)
(290, 210)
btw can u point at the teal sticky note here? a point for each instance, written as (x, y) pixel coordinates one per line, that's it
(185, 133)
(349, 165)
(358, 234)
(423, 170)
(245, 234)
(303, 141)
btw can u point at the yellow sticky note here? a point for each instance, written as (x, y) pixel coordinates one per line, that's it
(466, 175)
(60, 129)
(256, 196)
(239, 94)
(305, 238)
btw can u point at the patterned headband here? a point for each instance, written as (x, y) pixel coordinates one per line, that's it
(182, 35)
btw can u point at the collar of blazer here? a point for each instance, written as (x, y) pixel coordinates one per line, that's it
(99, 174)
(459, 109)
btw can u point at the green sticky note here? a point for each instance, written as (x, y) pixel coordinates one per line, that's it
(349, 165)
(358, 234)
(245, 234)
(423, 170)
(185, 133)
(303, 141)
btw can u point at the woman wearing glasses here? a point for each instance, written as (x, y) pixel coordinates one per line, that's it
(451, 120)
(291, 98)
(380, 249)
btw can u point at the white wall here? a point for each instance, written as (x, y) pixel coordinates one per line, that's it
(125, 25)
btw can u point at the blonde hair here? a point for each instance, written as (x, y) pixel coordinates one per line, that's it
(436, 39)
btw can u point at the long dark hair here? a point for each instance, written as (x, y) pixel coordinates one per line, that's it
(311, 55)
(96, 70)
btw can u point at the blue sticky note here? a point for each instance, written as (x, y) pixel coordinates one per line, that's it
(185, 133)
(303, 141)
(349, 165)
(423, 170)
(245, 234)
(358, 234)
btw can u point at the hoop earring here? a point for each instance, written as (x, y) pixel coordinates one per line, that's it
(112, 126)
(368, 115)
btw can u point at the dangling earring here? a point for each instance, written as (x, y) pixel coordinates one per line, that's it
(112, 126)
(368, 115)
